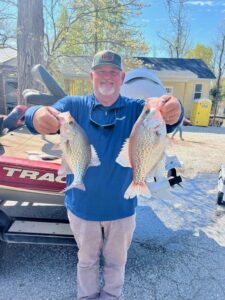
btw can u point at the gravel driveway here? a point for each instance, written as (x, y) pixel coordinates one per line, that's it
(203, 149)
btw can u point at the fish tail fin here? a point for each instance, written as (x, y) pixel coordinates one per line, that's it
(76, 185)
(135, 189)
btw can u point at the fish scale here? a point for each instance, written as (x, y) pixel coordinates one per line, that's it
(78, 154)
(144, 151)
(74, 159)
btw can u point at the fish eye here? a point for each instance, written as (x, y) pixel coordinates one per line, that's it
(70, 122)
(147, 111)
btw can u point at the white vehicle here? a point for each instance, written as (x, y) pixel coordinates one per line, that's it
(142, 83)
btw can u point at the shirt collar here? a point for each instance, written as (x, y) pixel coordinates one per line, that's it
(119, 103)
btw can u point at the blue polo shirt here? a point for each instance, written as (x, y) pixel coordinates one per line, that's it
(106, 184)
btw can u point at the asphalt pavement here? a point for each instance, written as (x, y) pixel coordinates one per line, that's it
(178, 253)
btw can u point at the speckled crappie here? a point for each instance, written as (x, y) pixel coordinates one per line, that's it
(77, 153)
(144, 151)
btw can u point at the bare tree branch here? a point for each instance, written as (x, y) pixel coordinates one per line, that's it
(176, 43)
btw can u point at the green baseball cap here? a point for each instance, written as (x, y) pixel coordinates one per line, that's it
(107, 57)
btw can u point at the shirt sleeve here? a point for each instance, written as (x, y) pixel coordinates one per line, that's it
(171, 128)
(29, 117)
(62, 105)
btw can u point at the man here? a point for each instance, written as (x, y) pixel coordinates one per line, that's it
(180, 129)
(101, 220)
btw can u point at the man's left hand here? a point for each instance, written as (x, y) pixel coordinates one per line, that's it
(170, 108)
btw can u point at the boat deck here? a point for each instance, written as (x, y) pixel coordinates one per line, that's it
(22, 144)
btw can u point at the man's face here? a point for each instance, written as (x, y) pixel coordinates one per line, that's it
(107, 81)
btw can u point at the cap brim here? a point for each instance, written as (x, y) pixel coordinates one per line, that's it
(103, 64)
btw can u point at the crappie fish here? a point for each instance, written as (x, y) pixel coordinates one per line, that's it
(144, 151)
(77, 153)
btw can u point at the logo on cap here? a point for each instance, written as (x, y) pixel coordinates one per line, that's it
(107, 56)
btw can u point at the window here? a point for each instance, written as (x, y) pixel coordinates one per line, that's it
(169, 90)
(198, 91)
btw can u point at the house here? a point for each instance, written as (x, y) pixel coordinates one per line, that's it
(187, 79)
(75, 73)
(8, 79)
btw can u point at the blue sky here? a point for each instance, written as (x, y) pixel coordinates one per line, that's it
(204, 19)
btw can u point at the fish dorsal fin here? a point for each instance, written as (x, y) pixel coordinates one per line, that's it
(123, 157)
(94, 157)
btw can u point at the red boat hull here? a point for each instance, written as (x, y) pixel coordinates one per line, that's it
(30, 174)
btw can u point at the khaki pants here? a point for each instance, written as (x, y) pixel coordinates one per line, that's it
(113, 239)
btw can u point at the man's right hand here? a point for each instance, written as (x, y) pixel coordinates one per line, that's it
(45, 120)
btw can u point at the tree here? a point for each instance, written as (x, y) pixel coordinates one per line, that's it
(79, 27)
(84, 27)
(219, 62)
(8, 23)
(202, 52)
(30, 39)
(176, 43)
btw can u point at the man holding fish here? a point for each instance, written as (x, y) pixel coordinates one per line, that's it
(112, 146)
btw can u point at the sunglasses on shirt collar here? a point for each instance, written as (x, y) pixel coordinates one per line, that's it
(97, 123)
